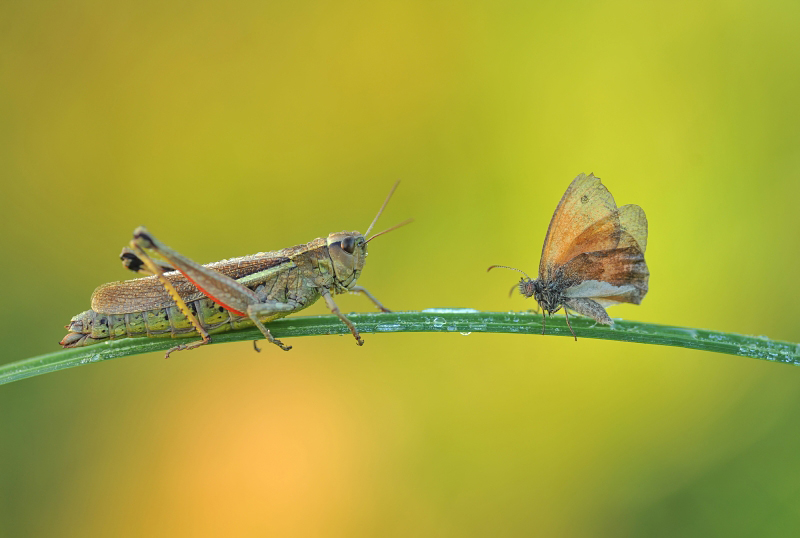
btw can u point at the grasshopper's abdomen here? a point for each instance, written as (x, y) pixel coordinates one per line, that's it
(91, 327)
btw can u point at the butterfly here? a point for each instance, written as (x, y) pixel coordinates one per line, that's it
(593, 255)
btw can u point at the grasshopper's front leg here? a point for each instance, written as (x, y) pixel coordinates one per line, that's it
(335, 310)
(225, 291)
(359, 289)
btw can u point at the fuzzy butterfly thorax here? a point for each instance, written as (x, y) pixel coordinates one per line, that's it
(549, 295)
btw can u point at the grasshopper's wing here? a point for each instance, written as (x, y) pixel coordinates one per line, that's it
(148, 293)
(586, 220)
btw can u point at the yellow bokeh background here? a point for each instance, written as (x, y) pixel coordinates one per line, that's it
(231, 128)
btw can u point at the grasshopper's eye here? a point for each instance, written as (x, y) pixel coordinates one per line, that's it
(348, 244)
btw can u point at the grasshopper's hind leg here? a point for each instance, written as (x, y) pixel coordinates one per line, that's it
(156, 270)
(131, 261)
(223, 290)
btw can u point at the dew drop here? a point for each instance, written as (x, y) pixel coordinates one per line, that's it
(450, 310)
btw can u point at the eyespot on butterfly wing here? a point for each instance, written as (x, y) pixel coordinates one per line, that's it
(585, 220)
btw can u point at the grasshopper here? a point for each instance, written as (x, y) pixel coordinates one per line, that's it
(181, 298)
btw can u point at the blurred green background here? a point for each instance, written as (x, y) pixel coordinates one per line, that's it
(246, 126)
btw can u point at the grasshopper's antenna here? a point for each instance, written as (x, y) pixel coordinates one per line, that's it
(391, 192)
(507, 267)
(387, 230)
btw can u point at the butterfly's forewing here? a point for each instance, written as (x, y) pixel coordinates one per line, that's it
(586, 220)
(601, 235)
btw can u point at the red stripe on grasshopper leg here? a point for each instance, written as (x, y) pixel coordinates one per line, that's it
(210, 296)
(195, 273)
(179, 302)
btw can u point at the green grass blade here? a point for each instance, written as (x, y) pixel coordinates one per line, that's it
(431, 320)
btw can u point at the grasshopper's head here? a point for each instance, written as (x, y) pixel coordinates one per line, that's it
(348, 251)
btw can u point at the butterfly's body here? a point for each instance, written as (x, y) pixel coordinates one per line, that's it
(549, 295)
(593, 255)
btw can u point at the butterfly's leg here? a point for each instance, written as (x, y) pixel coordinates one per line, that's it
(544, 313)
(566, 315)
(371, 297)
(511, 291)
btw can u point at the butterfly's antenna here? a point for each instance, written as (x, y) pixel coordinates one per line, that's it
(507, 267)
(387, 230)
(391, 192)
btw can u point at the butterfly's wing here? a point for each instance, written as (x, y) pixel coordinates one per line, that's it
(633, 221)
(586, 220)
(595, 246)
(618, 275)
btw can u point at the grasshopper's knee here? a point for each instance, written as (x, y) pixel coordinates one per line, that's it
(131, 261)
(142, 237)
